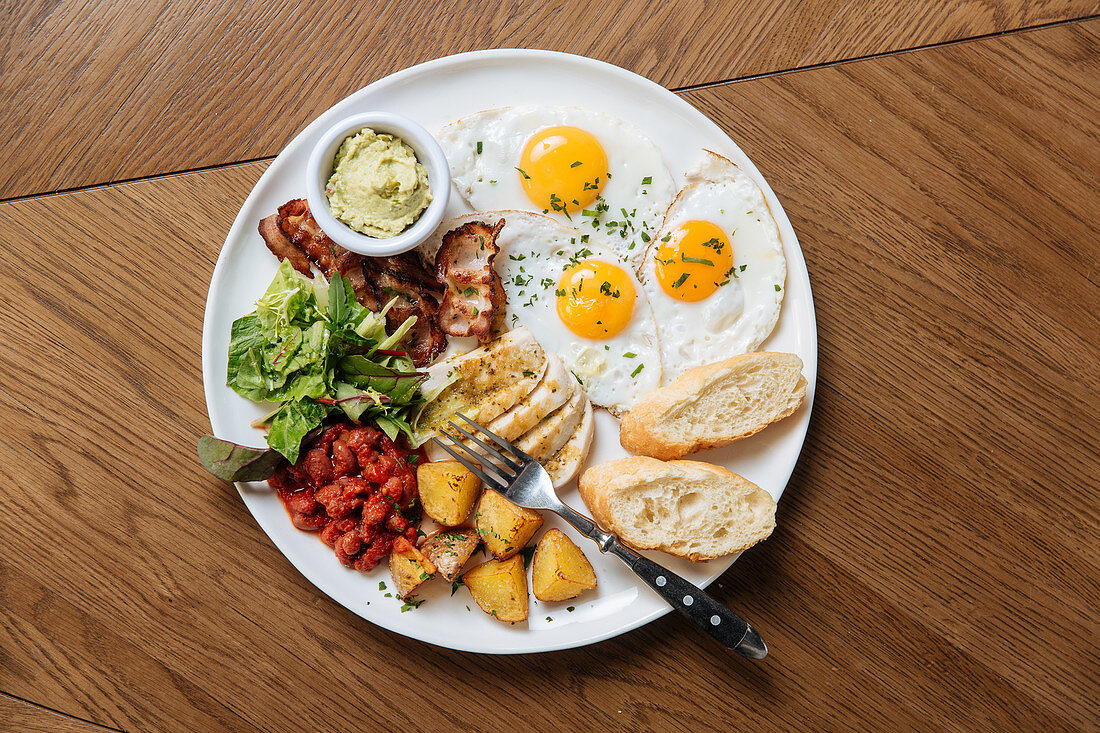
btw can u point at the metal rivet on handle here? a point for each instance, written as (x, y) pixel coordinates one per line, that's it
(715, 620)
(688, 600)
(661, 581)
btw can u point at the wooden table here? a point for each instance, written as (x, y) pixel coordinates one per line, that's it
(937, 558)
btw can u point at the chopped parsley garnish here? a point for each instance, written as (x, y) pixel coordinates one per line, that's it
(777, 288)
(455, 584)
(574, 164)
(469, 291)
(637, 371)
(479, 147)
(645, 181)
(381, 585)
(680, 280)
(696, 260)
(523, 173)
(571, 609)
(411, 604)
(629, 355)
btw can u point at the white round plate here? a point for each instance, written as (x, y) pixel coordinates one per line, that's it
(433, 94)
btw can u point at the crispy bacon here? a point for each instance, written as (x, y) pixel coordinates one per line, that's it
(403, 277)
(296, 221)
(282, 247)
(472, 289)
(293, 234)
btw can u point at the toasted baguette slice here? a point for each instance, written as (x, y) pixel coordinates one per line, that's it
(685, 508)
(714, 405)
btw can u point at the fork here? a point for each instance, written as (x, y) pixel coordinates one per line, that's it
(523, 481)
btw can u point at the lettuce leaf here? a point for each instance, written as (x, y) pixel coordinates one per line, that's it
(290, 297)
(292, 423)
(313, 348)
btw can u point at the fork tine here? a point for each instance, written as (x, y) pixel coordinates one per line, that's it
(496, 439)
(493, 452)
(495, 483)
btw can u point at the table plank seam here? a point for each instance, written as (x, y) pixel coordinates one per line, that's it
(677, 90)
(137, 179)
(884, 54)
(67, 716)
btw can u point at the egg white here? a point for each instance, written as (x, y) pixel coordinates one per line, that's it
(534, 252)
(489, 180)
(739, 316)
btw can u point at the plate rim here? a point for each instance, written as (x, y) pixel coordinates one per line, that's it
(503, 54)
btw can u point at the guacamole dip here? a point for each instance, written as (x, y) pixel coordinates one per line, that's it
(377, 186)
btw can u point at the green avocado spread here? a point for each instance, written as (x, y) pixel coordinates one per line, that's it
(377, 185)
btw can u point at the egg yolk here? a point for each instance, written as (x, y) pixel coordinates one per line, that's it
(595, 299)
(696, 260)
(562, 169)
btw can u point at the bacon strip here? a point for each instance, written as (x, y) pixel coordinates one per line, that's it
(473, 291)
(282, 247)
(403, 277)
(293, 234)
(297, 222)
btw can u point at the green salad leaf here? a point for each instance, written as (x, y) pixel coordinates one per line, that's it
(232, 462)
(312, 350)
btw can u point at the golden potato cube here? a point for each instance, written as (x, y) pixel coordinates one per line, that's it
(559, 570)
(448, 491)
(408, 567)
(505, 527)
(500, 588)
(450, 549)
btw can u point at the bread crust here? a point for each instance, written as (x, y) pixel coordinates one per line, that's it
(598, 483)
(641, 429)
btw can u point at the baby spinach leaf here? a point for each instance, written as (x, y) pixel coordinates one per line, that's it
(292, 423)
(338, 289)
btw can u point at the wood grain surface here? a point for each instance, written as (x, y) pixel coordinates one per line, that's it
(105, 90)
(937, 560)
(16, 714)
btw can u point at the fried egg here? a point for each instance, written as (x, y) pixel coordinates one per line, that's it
(579, 300)
(582, 168)
(715, 272)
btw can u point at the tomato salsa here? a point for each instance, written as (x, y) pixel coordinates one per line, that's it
(357, 489)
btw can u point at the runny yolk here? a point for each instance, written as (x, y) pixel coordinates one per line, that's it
(695, 261)
(562, 168)
(595, 299)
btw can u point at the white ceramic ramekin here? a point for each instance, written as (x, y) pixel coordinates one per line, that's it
(428, 152)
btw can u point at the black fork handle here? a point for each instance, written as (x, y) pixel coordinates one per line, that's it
(693, 602)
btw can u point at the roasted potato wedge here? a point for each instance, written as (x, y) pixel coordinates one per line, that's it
(408, 567)
(500, 588)
(449, 549)
(559, 570)
(448, 491)
(505, 527)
